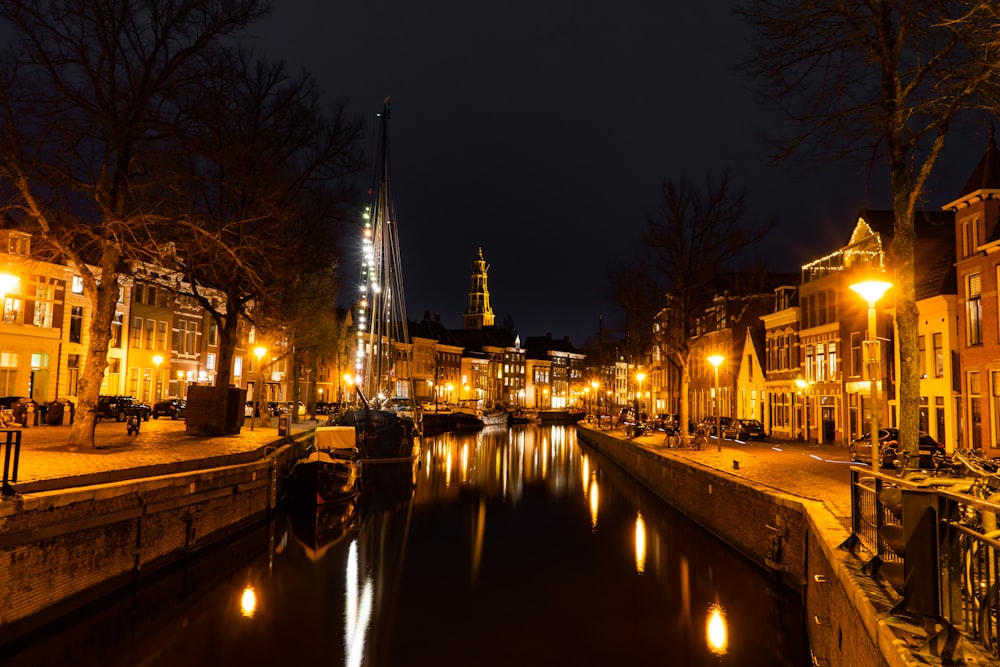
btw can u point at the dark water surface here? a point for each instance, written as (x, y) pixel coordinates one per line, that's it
(517, 547)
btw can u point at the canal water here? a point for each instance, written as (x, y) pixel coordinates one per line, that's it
(515, 546)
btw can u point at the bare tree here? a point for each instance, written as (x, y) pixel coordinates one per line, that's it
(86, 96)
(268, 186)
(690, 241)
(888, 79)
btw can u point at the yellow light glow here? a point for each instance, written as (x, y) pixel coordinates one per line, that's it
(594, 498)
(7, 283)
(717, 631)
(871, 290)
(716, 359)
(158, 359)
(260, 352)
(640, 543)
(248, 602)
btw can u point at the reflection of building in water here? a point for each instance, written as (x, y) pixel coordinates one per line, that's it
(500, 463)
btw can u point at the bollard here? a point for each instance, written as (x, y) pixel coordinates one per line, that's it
(13, 441)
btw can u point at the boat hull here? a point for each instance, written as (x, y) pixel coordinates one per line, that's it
(560, 416)
(328, 476)
(382, 435)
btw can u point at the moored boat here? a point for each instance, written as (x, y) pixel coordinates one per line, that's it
(495, 417)
(385, 415)
(562, 416)
(331, 472)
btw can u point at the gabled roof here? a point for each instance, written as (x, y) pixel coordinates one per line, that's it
(986, 175)
(935, 276)
(433, 330)
(477, 339)
(537, 347)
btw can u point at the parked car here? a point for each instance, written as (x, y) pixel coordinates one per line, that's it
(118, 407)
(170, 407)
(744, 429)
(666, 423)
(708, 424)
(929, 449)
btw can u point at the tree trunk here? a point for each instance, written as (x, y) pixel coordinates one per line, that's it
(907, 323)
(104, 298)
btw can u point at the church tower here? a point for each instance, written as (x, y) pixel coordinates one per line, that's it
(478, 314)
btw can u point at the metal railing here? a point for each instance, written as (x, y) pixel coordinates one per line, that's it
(934, 539)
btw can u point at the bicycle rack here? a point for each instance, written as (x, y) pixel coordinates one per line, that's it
(10, 472)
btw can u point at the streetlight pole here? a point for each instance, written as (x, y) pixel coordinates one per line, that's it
(715, 360)
(259, 352)
(640, 376)
(871, 291)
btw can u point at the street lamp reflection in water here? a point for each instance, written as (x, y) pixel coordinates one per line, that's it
(640, 543)
(717, 630)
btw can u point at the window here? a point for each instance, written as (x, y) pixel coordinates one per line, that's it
(973, 310)
(210, 361)
(161, 336)
(12, 311)
(922, 355)
(856, 354)
(77, 285)
(821, 362)
(970, 236)
(135, 336)
(72, 374)
(116, 331)
(76, 324)
(831, 355)
(213, 334)
(938, 339)
(138, 292)
(150, 334)
(151, 295)
(8, 373)
(238, 367)
(809, 364)
(43, 307)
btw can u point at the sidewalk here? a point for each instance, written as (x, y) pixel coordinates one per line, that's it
(47, 463)
(805, 469)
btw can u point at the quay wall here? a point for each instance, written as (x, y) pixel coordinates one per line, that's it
(794, 538)
(62, 549)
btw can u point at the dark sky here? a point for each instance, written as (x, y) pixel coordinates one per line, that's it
(541, 130)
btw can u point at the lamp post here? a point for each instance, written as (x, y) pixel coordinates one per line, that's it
(157, 360)
(640, 376)
(259, 352)
(597, 402)
(715, 360)
(871, 291)
(7, 284)
(804, 389)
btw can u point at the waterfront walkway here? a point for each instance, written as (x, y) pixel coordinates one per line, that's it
(161, 447)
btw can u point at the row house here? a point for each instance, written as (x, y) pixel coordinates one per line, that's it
(977, 264)
(554, 375)
(160, 343)
(723, 331)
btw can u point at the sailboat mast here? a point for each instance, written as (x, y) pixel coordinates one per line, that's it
(388, 342)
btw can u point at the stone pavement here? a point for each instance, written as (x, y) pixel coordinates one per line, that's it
(161, 447)
(808, 470)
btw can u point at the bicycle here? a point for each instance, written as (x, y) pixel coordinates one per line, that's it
(7, 418)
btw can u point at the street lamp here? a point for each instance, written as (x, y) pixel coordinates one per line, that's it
(871, 291)
(259, 352)
(804, 389)
(597, 401)
(157, 360)
(715, 360)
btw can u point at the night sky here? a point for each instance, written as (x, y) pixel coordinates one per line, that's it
(541, 131)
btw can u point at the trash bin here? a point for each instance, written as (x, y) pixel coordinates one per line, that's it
(283, 424)
(54, 415)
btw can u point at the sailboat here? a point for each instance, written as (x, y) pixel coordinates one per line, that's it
(384, 417)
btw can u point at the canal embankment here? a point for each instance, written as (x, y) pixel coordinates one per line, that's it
(64, 544)
(793, 535)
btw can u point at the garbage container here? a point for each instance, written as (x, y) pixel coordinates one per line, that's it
(283, 424)
(54, 415)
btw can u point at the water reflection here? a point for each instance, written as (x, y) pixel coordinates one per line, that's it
(494, 556)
